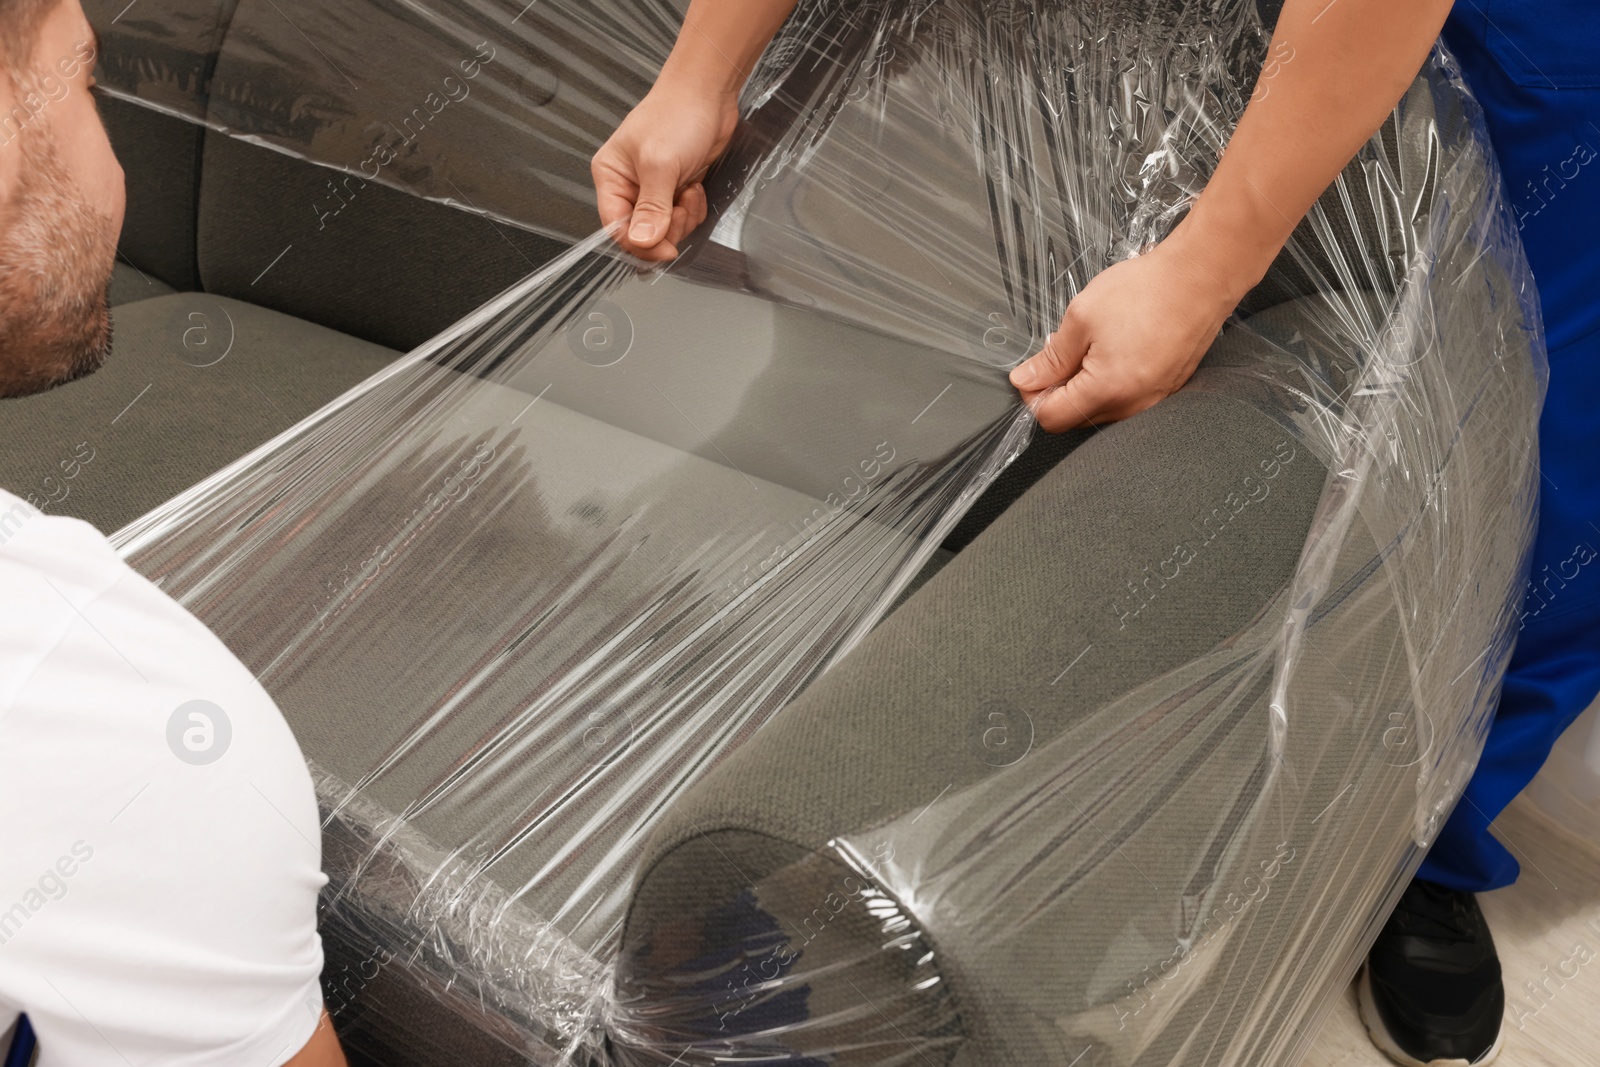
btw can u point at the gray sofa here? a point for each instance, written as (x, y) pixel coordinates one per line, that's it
(472, 919)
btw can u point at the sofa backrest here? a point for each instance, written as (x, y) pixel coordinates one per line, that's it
(373, 167)
(401, 118)
(387, 267)
(164, 62)
(415, 121)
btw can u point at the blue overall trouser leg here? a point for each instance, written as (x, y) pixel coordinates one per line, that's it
(1555, 667)
(1533, 65)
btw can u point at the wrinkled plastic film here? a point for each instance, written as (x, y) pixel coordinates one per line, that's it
(493, 107)
(1387, 376)
(519, 593)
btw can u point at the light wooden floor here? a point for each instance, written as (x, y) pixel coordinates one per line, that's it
(1547, 928)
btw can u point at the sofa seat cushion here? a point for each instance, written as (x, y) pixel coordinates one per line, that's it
(130, 284)
(193, 382)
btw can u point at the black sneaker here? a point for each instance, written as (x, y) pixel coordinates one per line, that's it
(1431, 994)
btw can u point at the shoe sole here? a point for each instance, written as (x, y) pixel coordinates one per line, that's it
(1373, 1021)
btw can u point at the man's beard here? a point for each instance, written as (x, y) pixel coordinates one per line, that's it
(56, 255)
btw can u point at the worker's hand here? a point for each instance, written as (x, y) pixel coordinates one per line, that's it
(1132, 337)
(647, 176)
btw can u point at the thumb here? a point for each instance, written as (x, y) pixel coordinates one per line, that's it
(1060, 358)
(1082, 401)
(652, 212)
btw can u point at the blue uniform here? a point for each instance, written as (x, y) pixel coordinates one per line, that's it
(1535, 66)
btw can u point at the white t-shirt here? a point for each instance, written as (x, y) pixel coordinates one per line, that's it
(160, 854)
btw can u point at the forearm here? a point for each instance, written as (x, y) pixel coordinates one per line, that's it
(721, 41)
(1335, 72)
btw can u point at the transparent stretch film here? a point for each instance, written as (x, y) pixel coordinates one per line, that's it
(496, 105)
(590, 613)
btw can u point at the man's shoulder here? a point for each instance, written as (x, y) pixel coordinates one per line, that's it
(38, 550)
(50, 567)
(71, 601)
